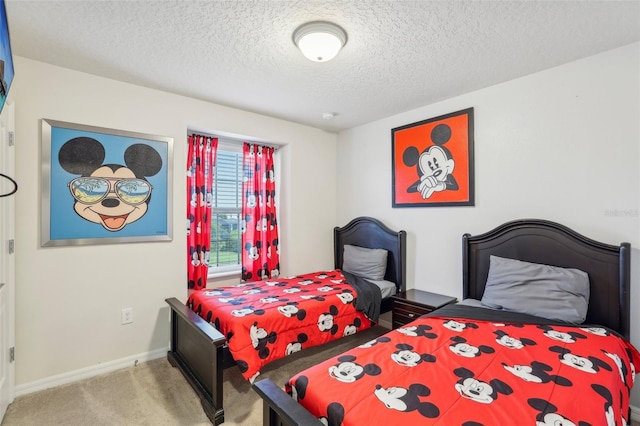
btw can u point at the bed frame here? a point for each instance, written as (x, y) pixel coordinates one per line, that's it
(200, 351)
(530, 240)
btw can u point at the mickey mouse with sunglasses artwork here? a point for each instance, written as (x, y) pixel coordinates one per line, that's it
(112, 195)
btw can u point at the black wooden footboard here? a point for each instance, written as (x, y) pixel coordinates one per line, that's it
(197, 351)
(279, 409)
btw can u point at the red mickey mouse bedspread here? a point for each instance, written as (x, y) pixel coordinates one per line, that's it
(267, 320)
(455, 371)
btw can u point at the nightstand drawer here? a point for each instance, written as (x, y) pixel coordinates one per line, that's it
(409, 305)
(404, 313)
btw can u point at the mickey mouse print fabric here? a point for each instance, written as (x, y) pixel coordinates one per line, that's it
(449, 369)
(267, 320)
(260, 242)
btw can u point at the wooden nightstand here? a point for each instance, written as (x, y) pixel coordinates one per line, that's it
(409, 305)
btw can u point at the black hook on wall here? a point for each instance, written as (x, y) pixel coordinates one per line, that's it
(15, 186)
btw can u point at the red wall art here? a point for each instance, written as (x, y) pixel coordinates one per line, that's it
(432, 162)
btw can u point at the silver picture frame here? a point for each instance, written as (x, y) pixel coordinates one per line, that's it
(104, 186)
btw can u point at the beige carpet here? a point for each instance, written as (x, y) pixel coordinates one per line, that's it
(154, 393)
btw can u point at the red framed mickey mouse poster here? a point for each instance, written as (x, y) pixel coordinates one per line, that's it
(432, 163)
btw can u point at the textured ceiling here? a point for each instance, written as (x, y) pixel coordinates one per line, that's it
(400, 55)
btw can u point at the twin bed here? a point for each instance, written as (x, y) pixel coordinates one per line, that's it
(541, 337)
(252, 324)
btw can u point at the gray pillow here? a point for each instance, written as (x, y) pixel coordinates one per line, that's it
(536, 289)
(365, 262)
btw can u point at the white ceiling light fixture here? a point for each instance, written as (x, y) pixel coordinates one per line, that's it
(319, 41)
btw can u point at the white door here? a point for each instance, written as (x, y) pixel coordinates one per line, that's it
(7, 258)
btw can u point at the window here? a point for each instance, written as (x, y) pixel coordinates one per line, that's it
(226, 232)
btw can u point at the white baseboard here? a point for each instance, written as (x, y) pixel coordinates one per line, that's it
(87, 372)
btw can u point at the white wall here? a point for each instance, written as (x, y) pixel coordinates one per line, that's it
(562, 145)
(69, 299)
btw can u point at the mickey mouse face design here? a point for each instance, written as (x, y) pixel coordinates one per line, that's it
(417, 330)
(325, 289)
(352, 328)
(478, 391)
(537, 372)
(247, 310)
(251, 200)
(548, 415)
(589, 364)
(262, 224)
(434, 165)
(252, 251)
(598, 331)
(511, 342)
(608, 407)
(257, 333)
(233, 300)
(292, 348)
(554, 419)
(312, 297)
(348, 371)
(346, 297)
(406, 356)
(288, 310)
(260, 338)
(525, 372)
(617, 361)
(216, 293)
(462, 348)
(111, 195)
(325, 320)
(561, 336)
(297, 345)
(407, 399)
(458, 326)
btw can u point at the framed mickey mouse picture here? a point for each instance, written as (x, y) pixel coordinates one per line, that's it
(104, 186)
(432, 164)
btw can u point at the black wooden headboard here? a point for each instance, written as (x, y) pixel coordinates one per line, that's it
(371, 233)
(542, 241)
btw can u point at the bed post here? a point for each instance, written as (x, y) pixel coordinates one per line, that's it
(197, 351)
(625, 285)
(280, 409)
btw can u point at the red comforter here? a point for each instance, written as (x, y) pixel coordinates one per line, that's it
(267, 320)
(451, 371)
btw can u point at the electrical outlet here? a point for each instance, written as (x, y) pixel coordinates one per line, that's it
(127, 315)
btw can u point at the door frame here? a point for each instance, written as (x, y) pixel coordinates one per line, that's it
(7, 258)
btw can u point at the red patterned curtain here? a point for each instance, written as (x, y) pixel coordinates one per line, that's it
(201, 161)
(260, 254)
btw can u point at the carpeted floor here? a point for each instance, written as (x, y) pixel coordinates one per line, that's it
(154, 393)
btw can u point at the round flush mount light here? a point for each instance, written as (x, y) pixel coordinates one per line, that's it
(319, 41)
